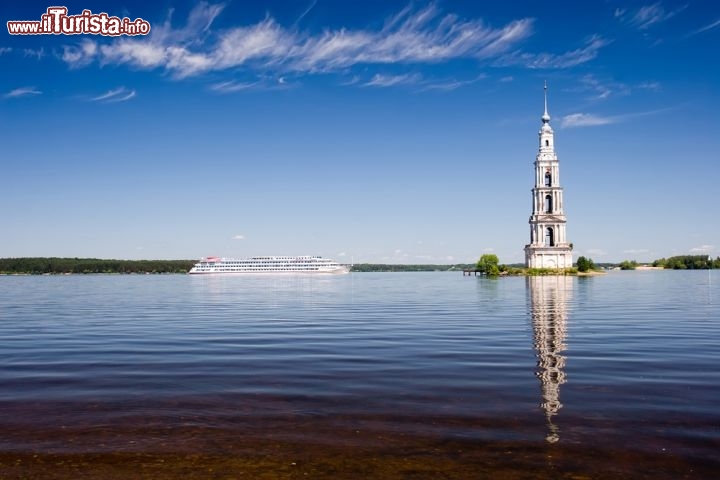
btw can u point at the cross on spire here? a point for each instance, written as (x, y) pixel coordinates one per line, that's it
(545, 117)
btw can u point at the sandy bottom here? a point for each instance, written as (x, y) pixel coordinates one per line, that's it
(325, 452)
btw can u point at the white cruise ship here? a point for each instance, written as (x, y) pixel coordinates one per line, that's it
(268, 265)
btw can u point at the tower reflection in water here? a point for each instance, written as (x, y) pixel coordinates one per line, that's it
(549, 296)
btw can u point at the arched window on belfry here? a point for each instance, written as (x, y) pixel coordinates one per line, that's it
(549, 237)
(548, 179)
(548, 204)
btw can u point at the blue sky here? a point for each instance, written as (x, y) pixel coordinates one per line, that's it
(379, 131)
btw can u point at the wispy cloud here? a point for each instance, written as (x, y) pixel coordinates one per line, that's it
(596, 252)
(81, 54)
(380, 80)
(647, 16)
(602, 89)
(232, 86)
(263, 82)
(634, 251)
(452, 84)
(710, 26)
(652, 86)
(585, 120)
(22, 92)
(557, 61)
(413, 36)
(591, 120)
(596, 88)
(31, 52)
(4, 50)
(703, 249)
(306, 11)
(120, 94)
(238, 237)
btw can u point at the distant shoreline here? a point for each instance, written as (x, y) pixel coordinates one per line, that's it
(78, 266)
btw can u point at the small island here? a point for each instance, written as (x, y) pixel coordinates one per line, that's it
(489, 265)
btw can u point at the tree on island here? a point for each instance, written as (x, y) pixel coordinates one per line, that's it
(628, 265)
(585, 264)
(488, 264)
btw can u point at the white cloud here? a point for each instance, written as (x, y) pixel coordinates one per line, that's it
(557, 61)
(81, 54)
(380, 80)
(596, 252)
(120, 94)
(448, 85)
(30, 52)
(232, 86)
(307, 10)
(584, 120)
(412, 36)
(603, 88)
(590, 120)
(4, 50)
(710, 26)
(636, 250)
(703, 249)
(647, 16)
(23, 92)
(651, 14)
(238, 237)
(652, 86)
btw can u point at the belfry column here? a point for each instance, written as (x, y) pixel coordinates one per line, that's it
(548, 247)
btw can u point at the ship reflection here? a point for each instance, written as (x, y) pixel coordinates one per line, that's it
(549, 297)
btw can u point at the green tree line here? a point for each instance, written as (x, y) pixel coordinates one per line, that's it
(690, 262)
(55, 265)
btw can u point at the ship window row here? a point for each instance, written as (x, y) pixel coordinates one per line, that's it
(230, 269)
(266, 263)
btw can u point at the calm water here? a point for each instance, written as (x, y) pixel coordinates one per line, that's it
(553, 375)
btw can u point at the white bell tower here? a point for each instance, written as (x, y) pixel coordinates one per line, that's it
(548, 247)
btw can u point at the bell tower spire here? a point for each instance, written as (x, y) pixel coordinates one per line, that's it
(546, 117)
(548, 247)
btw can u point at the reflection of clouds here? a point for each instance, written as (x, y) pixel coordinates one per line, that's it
(548, 310)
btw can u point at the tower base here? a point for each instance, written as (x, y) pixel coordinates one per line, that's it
(548, 257)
